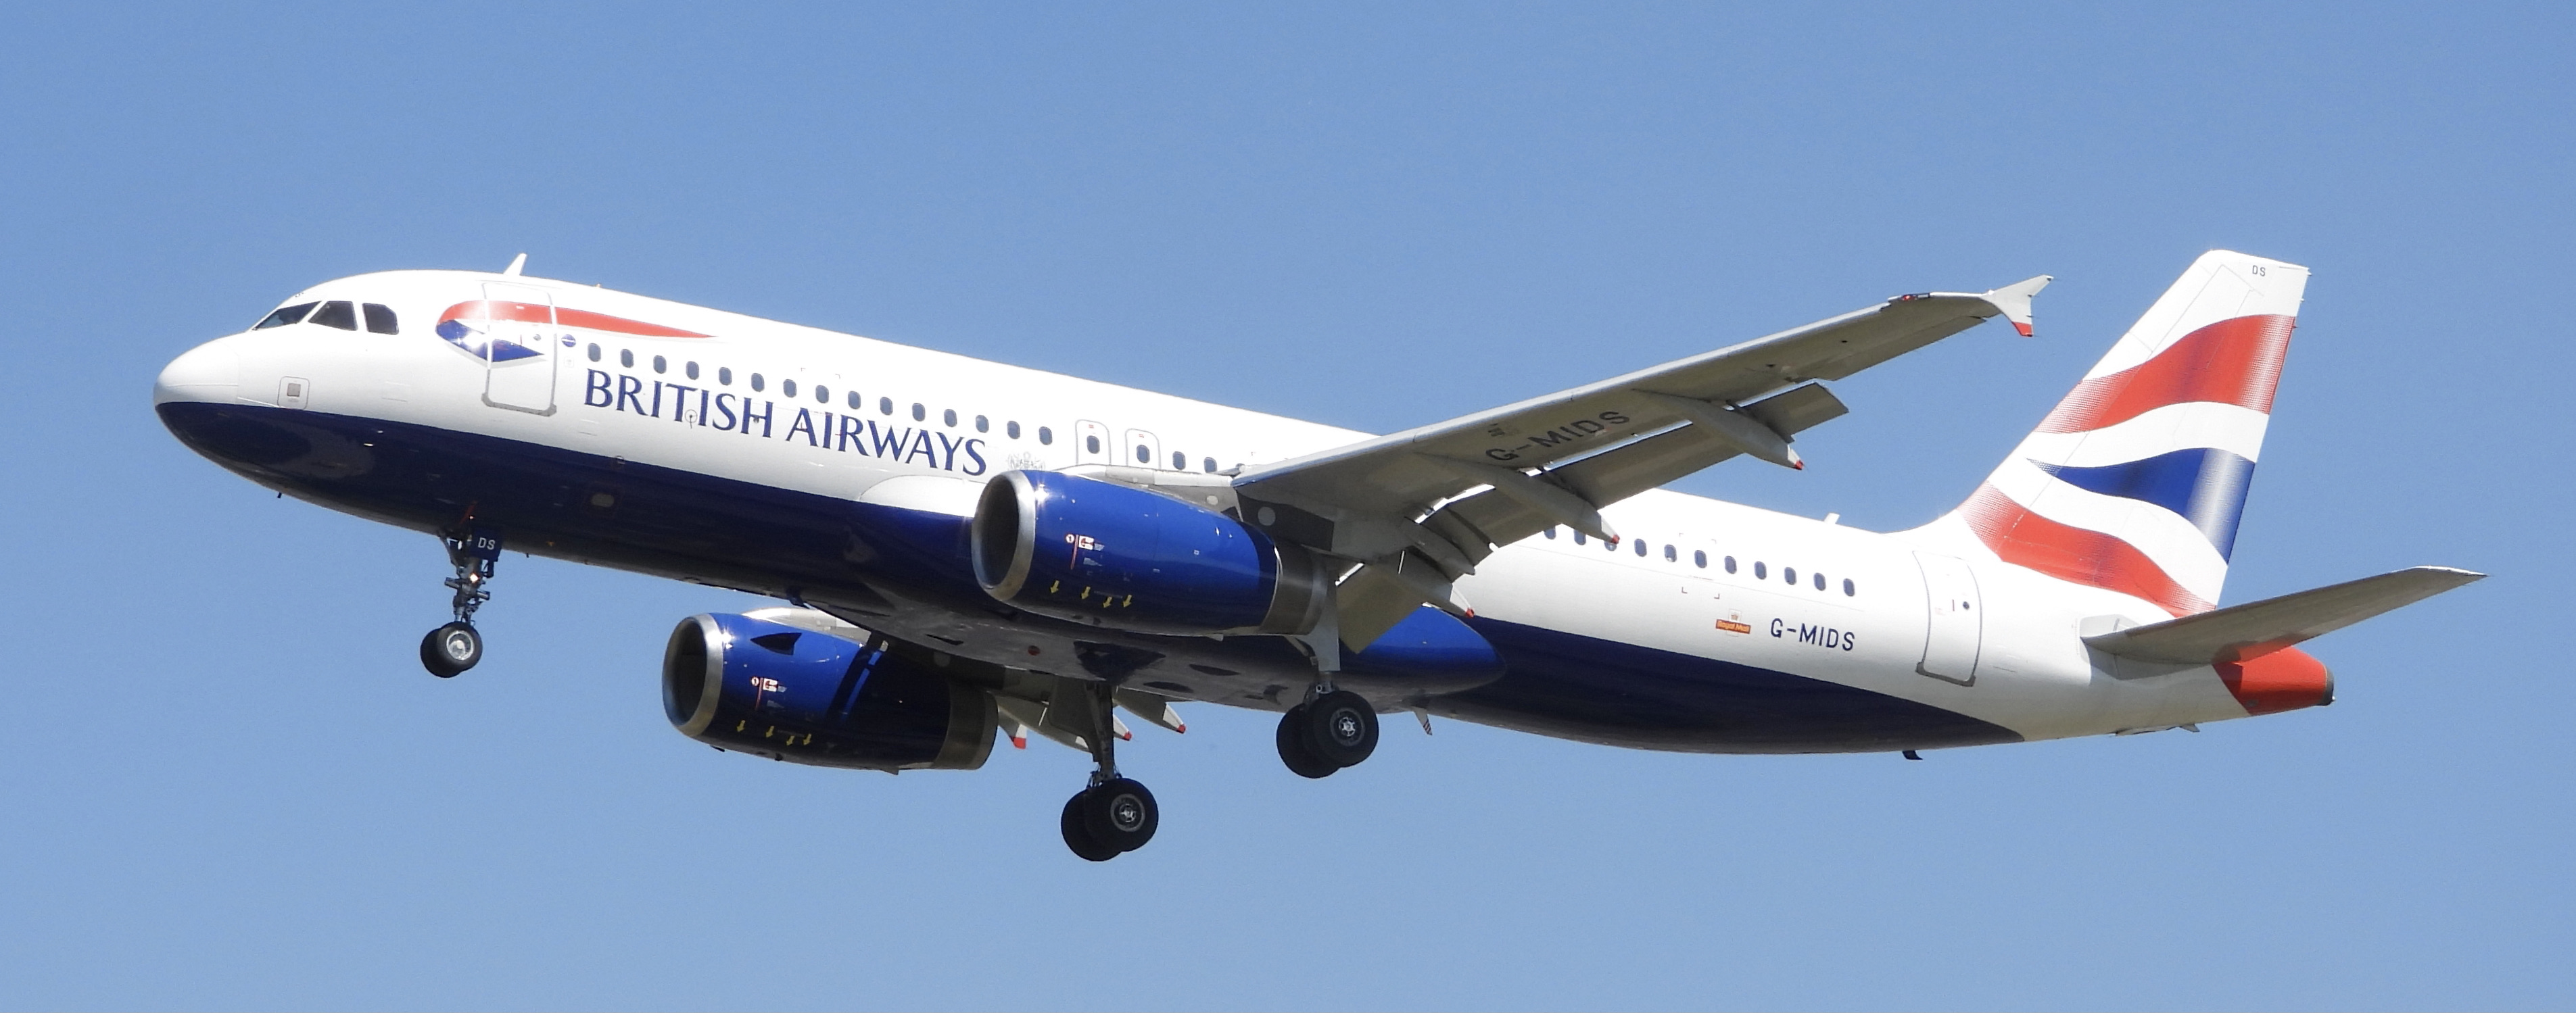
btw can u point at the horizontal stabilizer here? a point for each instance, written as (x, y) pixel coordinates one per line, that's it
(2254, 629)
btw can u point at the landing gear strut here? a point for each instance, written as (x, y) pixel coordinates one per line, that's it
(1114, 815)
(1335, 729)
(455, 647)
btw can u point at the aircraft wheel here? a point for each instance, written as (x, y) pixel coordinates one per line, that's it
(1294, 751)
(1077, 833)
(450, 649)
(1120, 814)
(1341, 728)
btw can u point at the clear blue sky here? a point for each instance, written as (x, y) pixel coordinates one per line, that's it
(227, 783)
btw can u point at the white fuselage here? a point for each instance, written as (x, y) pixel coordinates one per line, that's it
(870, 422)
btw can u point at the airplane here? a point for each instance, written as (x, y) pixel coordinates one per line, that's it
(967, 550)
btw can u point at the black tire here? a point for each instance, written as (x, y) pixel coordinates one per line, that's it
(450, 649)
(1341, 728)
(1077, 833)
(1294, 752)
(1120, 814)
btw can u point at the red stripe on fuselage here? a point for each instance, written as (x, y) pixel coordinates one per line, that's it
(2024, 538)
(488, 309)
(2235, 361)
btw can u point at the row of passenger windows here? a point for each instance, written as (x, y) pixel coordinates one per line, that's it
(1761, 570)
(340, 313)
(822, 394)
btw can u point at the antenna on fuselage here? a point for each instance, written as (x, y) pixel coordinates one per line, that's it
(516, 263)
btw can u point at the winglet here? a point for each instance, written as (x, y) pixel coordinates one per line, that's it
(2014, 301)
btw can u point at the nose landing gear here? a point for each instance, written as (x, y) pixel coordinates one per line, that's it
(455, 647)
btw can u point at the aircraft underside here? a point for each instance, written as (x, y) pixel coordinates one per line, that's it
(905, 574)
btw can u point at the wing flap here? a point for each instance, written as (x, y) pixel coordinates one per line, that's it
(1645, 464)
(2254, 629)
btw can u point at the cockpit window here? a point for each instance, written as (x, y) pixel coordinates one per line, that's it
(336, 313)
(380, 319)
(286, 315)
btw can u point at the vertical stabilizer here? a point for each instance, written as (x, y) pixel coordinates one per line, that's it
(2135, 481)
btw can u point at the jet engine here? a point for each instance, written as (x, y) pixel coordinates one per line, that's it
(1112, 555)
(754, 686)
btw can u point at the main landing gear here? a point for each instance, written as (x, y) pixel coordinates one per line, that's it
(1333, 730)
(1114, 815)
(455, 647)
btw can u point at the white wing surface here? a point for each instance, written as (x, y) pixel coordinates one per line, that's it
(1418, 509)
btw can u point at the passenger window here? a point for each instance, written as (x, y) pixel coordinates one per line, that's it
(1208, 464)
(919, 413)
(1761, 572)
(1180, 461)
(983, 425)
(1699, 559)
(1578, 538)
(338, 313)
(885, 406)
(1612, 546)
(1011, 429)
(1848, 589)
(661, 365)
(594, 351)
(626, 357)
(692, 370)
(1091, 443)
(1672, 555)
(786, 388)
(724, 375)
(822, 394)
(286, 315)
(1045, 435)
(1790, 574)
(948, 418)
(1820, 582)
(1641, 548)
(1730, 564)
(757, 381)
(1550, 532)
(380, 319)
(1144, 456)
(855, 401)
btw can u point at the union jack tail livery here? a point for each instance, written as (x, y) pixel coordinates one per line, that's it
(2135, 482)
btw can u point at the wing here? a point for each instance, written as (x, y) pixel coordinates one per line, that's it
(1409, 509)
(2251, 630)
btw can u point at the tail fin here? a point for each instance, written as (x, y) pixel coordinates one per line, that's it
(2135, 482)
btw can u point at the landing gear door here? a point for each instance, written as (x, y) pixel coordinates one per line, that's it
(519, 353)
(1955, 625)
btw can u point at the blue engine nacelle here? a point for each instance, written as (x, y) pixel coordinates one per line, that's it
(759, 687)
(1116, 556)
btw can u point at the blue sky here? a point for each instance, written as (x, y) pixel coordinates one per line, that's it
(230, 786)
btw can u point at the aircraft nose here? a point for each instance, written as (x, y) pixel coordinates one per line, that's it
(208, 372)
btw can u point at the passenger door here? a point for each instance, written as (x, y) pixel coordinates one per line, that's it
(519, 338)
(1955, 626)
